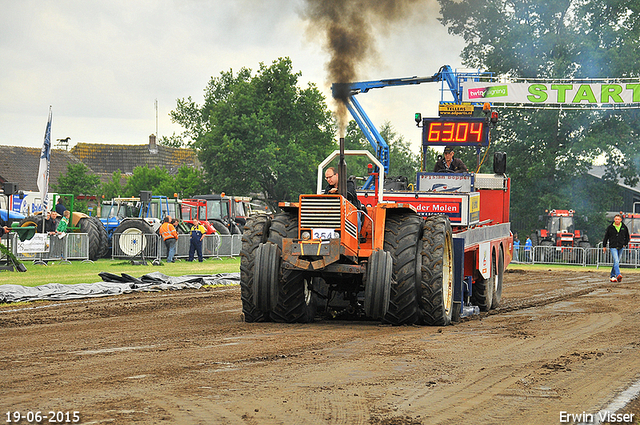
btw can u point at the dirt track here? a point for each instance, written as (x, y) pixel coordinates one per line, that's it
(562, 341)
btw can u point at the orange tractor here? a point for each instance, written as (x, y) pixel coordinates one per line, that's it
(383, 263)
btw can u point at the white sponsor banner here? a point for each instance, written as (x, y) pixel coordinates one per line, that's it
(445, 182)
(554, 93)
(38, 243)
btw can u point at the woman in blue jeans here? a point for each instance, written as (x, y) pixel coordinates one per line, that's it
(617, 235)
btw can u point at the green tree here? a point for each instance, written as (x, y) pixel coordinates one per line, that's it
(145, 178)
(550, 151)
(77, 181)
(260, 133)
(187, 182)
(113, 188)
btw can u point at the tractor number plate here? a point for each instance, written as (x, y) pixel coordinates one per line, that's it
(324, 234)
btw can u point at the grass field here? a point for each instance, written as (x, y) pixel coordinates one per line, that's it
(79, 272)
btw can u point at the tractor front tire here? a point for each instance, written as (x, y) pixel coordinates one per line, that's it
(297, 301)
(377, 290)
(32, 220)
(220, 227)
(266, 275)
(256, 231)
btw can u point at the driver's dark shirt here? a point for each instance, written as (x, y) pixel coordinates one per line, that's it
(457, 166)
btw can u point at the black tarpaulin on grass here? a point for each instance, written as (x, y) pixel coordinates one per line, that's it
(113, 284)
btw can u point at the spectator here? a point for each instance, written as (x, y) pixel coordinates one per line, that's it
(617, 235)
(170, 238)
(516, 247)
(51, 222)
(195, 243)
(60, 208)
(64, 223)
(527, 249)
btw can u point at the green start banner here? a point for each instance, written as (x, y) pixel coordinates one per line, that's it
(554, 93)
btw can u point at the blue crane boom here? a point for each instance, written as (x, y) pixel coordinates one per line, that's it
(347, 92)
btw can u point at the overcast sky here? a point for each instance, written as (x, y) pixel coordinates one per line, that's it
(101, 65)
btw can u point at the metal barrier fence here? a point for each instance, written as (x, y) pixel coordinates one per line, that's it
(43, 248)
(135, 245)
(575, 256)
(151, 246)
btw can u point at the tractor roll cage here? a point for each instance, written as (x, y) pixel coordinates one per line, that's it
(336, 154)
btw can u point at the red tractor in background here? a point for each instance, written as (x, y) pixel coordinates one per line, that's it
(195, 210)
(632, 221)
(560, 231)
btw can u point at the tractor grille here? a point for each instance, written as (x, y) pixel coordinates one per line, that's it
(320, 213)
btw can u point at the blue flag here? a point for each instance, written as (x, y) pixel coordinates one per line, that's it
(45, 160)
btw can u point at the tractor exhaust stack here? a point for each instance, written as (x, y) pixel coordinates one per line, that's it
(342, 171)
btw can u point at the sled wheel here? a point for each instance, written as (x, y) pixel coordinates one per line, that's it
(498, 274)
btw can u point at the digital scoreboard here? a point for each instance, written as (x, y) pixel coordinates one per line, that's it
(460, 131)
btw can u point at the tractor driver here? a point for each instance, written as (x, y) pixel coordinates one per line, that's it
(331, 175)
(449, 164)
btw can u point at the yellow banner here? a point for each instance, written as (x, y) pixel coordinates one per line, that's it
(454, 109)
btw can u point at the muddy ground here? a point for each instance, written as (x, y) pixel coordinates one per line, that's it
(562, 341)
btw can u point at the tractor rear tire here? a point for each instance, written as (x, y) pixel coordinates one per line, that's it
(234, 229)
(266, 275)
(256, 232)
(297, 301)
(220, 227)
(32, 220)
(585, 244)
(87, 226)
(131, 241)
(498, 275)
(534, 239)
(377, 290)
(402, 236)
(436, 271)
(545, 254)
(104, 237)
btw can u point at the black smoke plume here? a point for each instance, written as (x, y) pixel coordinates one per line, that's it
(348, 29)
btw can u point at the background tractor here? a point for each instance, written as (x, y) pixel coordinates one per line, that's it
(79, 223)
(195, 210)
(224, 214)
(632, 221)
(149, 212)
(560, 231)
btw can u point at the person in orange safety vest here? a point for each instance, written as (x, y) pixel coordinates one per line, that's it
(170, 237)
